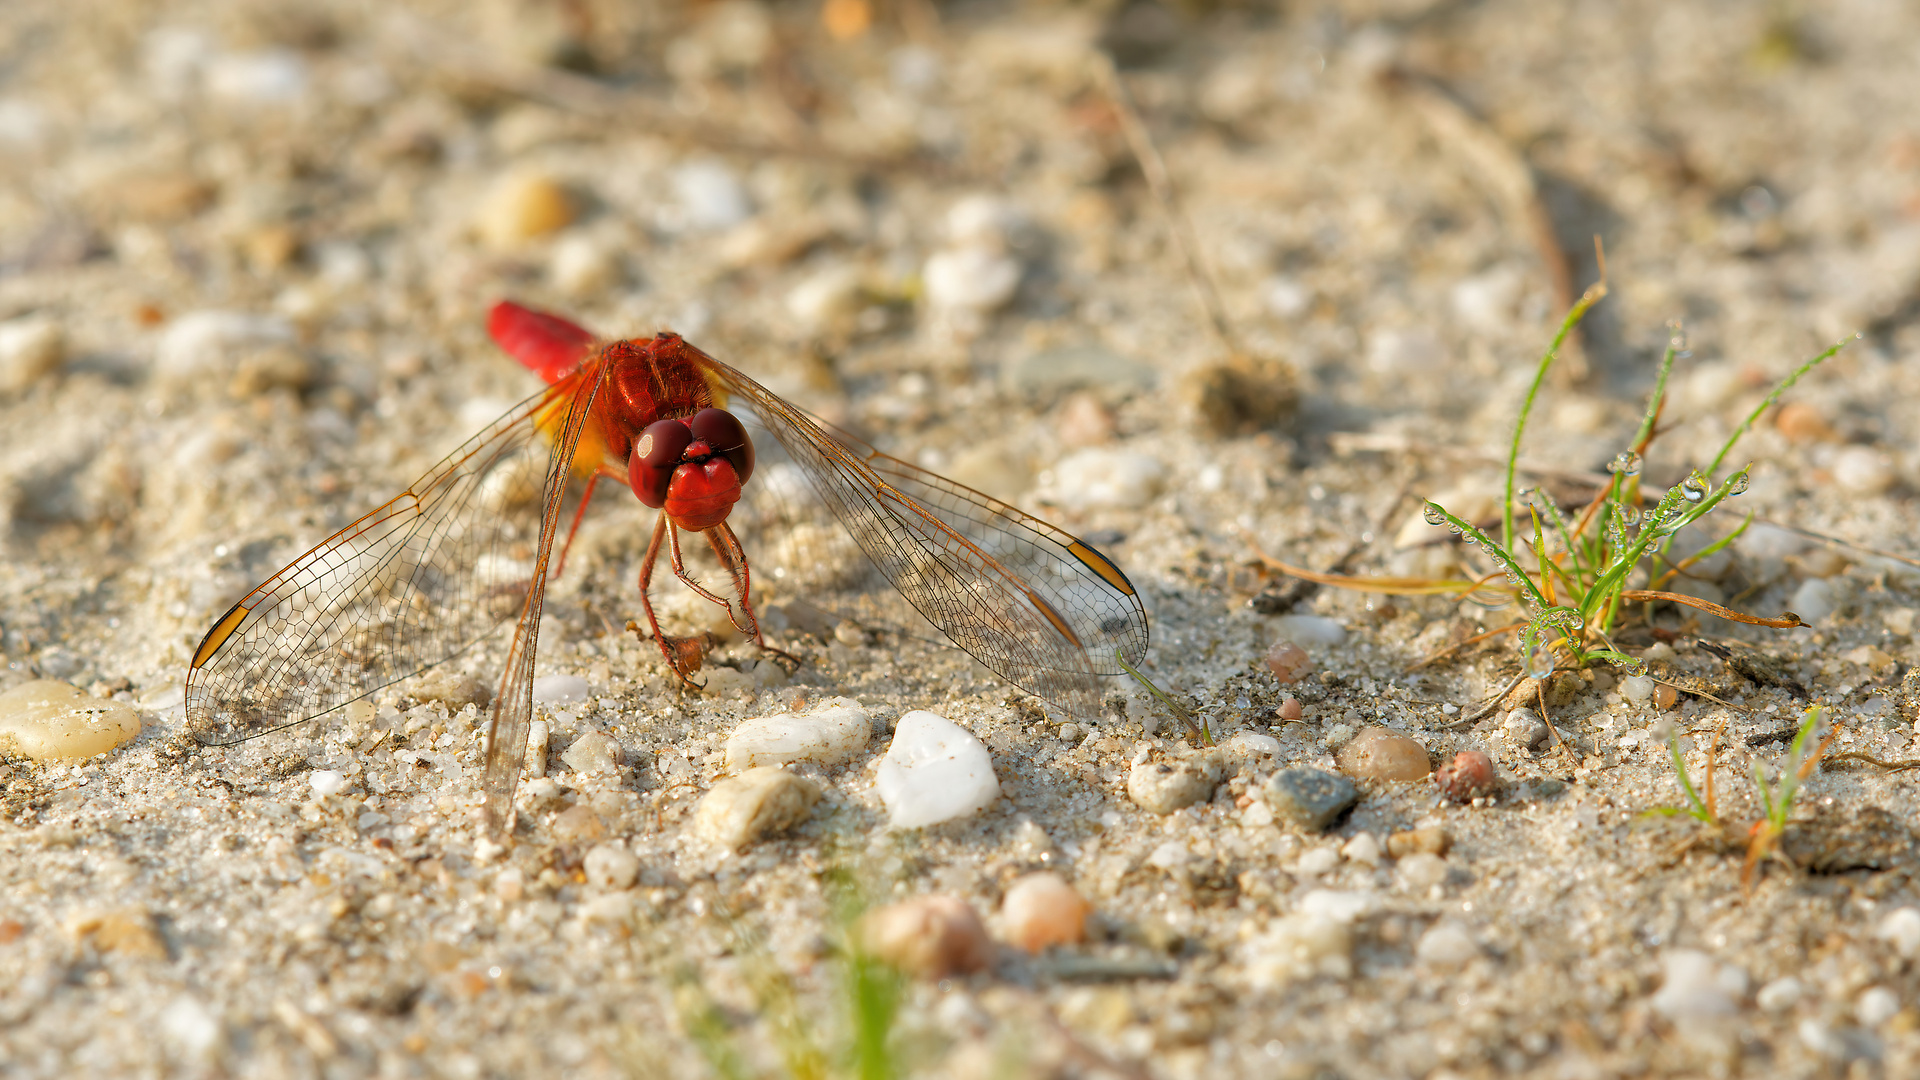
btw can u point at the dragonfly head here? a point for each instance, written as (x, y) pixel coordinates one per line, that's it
(692, 467)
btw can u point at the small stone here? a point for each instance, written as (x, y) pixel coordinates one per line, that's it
(1288, 662)
(1102, 477)
(1861, 470)
(1432, 840)
(1901, 929)
(1446, 945)
(1315, 630)
(1803, 423)
(1780, 995)
(611, 909)
(326, 782)
(193, 1030)
(829, 298)
(1362, 849)
(206, 344)
(582, 266)
(1665, 696)
(971, 282)
(1637, 689)
(1525, 728)
(761, 802)
(1875, 1006)
(270, 76)
(1309, 798)
(1290, 709)
(611, 866)
(1467, 777)
(1249, 746)
(932, 937)
(934, 771)
(1297, 947)
(1082, 421)
(127, 931)
(1161, 787)
(558, 689)
(1041, 910)
(1377, 753)
(1241, 394)
(1421, 871)
(32, 347)
(1316, 861)
(711, 195)
(830, 733)
(457, 689)
(539, 740)
(594, 752)
(578, 824)
(521, 207)
(54, 721)
(1696, 989)
(1814, 601)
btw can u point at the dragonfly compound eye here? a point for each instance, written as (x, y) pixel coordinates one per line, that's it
(724, 432)
(656, 453)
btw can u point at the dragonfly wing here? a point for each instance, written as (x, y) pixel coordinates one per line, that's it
(1042, 608)
(513, 705)
(401, 589)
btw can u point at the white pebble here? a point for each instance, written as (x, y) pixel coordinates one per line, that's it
(1344, 906)
(1862, 470)
(1691, 989)
(1901, 929)
(934, 771)
(1637, 688)
(54, 721)
(983, 221)
(1170, 855)
(1316, 861)
(1875, 1006)
(1310, 630)
(594, 752)
(831, 733)
(1422, 871)
(31, 348)
(1249, 745)
(1097, 477)
(1780, 995)
(203, 343)
(611, 866)
(1813, 601)
(827, 297)
(559, 689)
(1446, 945)
(274, 76)
(1363, 849)
(193, 1029)
(1299, 946)
(710, 195)
(970, 281)
(539, 738)
(582, 265)
(326, 782)
(760, 802)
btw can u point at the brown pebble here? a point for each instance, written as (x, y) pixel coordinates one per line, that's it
(10, 931)
(270, 247)
(929, 936)
(1042, 910)
(522, 207)
(1468, 776)
(127, 931)
(1665, 696)
(1380, 754)
(1288, 662)
(1802, 423)
(1241, 394)
(1431, 840)
(1290, 709)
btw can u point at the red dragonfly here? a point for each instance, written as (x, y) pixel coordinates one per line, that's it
(468, 547)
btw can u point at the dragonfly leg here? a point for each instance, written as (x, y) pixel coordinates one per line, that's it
(683, 654)
(579, 515)
(726, 546)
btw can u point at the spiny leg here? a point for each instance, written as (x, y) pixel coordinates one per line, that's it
(683, 654)
(726, 547)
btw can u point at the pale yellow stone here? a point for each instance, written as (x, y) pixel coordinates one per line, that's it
(54, 721)
(759, 802)
(521, 207)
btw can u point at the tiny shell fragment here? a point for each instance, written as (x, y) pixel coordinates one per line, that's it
(53, 721)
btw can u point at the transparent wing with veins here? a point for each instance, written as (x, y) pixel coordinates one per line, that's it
(405, 587)
(1030, 601)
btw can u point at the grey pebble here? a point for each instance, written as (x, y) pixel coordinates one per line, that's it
(1310, 798)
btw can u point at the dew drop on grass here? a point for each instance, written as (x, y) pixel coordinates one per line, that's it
(1626, 463)
(1629, 516)
(1435, 515)
(1539, 662)
(1738, 485)
(1693, 489)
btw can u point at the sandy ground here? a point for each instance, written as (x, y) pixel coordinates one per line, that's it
(245, 256)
